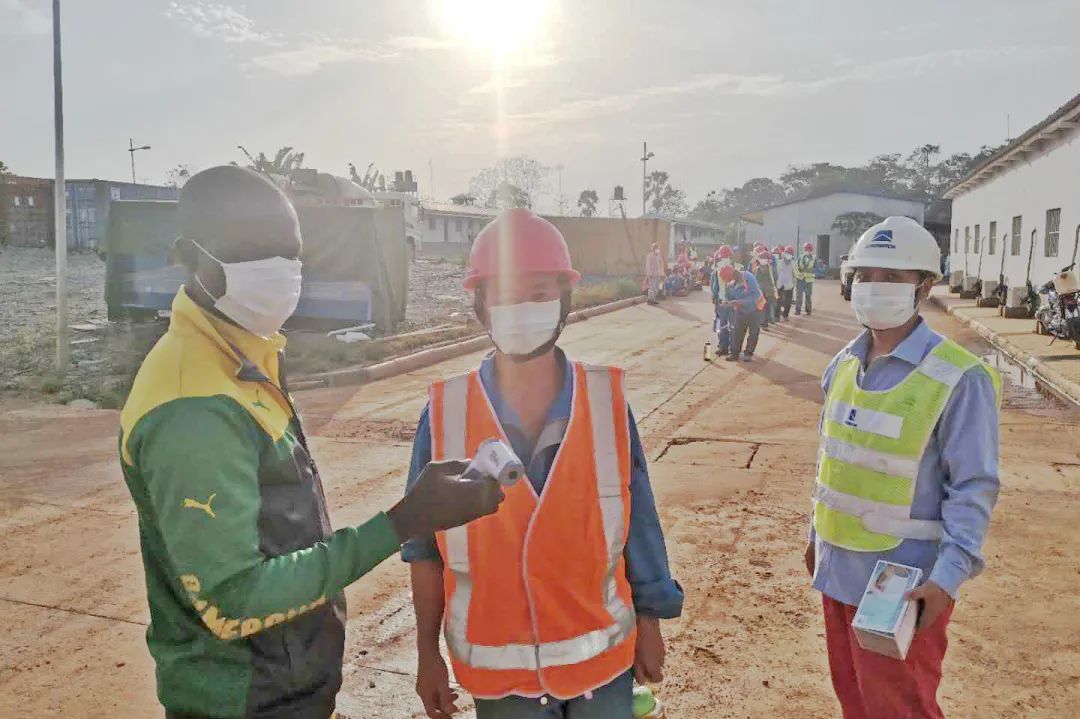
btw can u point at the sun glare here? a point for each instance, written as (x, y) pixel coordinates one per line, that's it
(500, 27)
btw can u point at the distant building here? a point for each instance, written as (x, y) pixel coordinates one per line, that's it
(450, 228)
(26, 211)
(704, 236)
(811, 220)
(1023, 202)
(88, 204)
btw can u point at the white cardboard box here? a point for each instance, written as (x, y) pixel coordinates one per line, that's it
(885, 621)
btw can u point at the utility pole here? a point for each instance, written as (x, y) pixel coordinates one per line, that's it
(132, 149)
(558, 170)
(431, 178)
(645, 156)
(59, 200)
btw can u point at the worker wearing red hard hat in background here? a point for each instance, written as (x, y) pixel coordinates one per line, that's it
(654, 272)
(745, 302)
(804, 279)
(785, 281)
(907, 472)
(724, 321)
(766, 278)
(551, 607)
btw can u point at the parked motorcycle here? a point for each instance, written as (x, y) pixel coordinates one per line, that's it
(1058, 314)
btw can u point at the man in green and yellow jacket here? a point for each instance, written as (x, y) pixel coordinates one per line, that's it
(244, 575)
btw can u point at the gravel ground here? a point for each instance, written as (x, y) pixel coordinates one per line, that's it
(435, 293)
(28, 290)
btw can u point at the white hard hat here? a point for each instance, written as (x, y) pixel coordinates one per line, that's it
(897, 243)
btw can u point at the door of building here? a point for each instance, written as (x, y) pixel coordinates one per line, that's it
(823, 249)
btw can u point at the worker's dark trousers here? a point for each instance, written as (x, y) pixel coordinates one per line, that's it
(803, 289)
(746, 322)
(784, 307)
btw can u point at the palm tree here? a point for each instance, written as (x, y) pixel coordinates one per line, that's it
(284, 162)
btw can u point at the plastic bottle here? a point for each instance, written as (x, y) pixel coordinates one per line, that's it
(705, 352)
(646, 705)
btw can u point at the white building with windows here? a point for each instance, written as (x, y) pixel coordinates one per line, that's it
(811, 220)
(1024, 202)
(448, 229)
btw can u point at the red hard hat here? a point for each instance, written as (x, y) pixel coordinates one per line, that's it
(759, 246)
(725, 252)
(790, 250)
(763, 253)
(727, 273)
(808, 247)
(517, 242)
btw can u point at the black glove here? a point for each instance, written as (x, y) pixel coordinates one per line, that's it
(442, 499)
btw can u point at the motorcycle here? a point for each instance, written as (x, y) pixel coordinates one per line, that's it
(1058, 314)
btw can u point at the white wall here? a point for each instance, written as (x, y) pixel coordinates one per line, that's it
(801, 222)
(1049, 179)
(450, 228)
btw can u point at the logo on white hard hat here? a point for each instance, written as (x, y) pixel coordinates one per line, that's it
(883, 239)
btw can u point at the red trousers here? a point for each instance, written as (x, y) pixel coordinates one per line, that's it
(873, 686)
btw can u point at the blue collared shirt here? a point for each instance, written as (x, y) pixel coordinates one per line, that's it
(655, 593)
(957, 480)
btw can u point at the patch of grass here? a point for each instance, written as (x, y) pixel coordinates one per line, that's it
(462, 261)
(604, 292)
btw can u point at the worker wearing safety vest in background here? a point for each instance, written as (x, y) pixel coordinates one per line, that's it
(907, 471)
(551, 606)
(804, 279)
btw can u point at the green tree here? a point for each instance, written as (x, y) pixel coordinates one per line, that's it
(284, 162)
(662, 198)
(372, 179)
(587, 202)
(725, 206)
(4, 169)
(853, 224)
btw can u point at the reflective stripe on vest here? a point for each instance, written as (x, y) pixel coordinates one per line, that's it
(598, 386)
(871, 447)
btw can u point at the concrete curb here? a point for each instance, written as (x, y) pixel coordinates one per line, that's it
(1058, 384)
(432, 355)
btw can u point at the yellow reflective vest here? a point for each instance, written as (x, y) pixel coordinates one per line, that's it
(871, 447)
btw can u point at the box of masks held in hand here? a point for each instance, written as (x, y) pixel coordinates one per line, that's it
(885, 621)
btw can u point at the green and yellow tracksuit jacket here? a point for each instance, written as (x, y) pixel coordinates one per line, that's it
(243, 574)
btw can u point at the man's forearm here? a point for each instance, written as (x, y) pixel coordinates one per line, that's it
(428, 602)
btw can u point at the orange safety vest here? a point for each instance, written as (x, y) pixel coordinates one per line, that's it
(537, 599)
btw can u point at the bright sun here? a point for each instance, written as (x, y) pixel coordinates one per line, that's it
(501, 27)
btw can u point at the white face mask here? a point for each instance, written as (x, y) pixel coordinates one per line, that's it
(883, 305)
(523, 328)
(787, 257)
(259, 295)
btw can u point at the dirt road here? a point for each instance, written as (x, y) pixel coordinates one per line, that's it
(732, 452)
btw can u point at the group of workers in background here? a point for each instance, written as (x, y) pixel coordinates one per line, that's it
(754, 289)
(549, 592)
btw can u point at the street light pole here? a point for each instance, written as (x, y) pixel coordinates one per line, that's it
(59, 200)
(558, 170)
(645, 156)
(132, 149)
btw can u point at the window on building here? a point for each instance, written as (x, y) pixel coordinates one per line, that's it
(431, 223)
(1053, 227)
(83, 214)
(956, 240)
(978, 243)
(967, 240)
(91, 215)
(993, 237)
(18, 200)
(30, 201)
(1016, 225)
(457, 225)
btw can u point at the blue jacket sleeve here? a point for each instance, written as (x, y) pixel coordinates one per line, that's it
(748, 303)
(420, 548)
(655, 593)
(968, 435)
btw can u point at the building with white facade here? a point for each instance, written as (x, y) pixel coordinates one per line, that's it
(1024, 202)
(811, 220)
(447, 229)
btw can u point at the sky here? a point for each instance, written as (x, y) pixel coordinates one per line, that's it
(722, 90)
